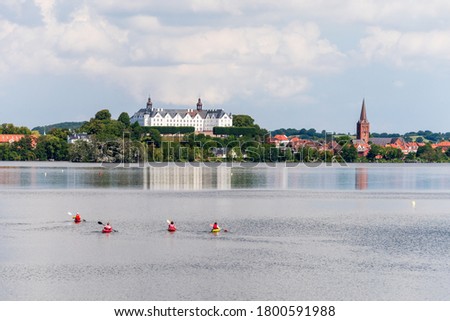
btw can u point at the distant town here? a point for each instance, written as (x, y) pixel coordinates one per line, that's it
(201, 134)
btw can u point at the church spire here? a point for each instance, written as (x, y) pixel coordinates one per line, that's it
(363, 125)
(363, 116)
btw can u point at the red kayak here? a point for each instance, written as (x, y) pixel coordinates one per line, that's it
(172, 229)
(107, 229)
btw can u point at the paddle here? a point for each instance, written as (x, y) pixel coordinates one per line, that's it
(104, 225)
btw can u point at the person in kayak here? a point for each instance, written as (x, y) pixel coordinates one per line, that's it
(107, 228)
(215, 227)
(77, 218)
(172, 226)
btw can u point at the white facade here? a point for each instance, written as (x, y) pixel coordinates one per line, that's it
(201, 120)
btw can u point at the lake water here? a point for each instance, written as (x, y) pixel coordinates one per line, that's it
(359, 232)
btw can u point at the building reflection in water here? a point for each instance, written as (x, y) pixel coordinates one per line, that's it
(361, 178)
(186, 178)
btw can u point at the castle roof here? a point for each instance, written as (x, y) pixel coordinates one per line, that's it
(182, 113)
(163, 112)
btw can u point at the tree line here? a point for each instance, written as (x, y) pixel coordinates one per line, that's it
(118, 140)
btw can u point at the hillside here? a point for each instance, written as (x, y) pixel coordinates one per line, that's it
(68, 125)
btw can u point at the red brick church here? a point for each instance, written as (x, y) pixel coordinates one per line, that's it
(363, 137)
(363, 125)
(361, 142)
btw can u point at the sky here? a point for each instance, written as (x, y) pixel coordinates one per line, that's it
(288, 64)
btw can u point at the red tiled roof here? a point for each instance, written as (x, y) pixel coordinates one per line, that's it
(10, 138)
(280, 137)
(443, 144)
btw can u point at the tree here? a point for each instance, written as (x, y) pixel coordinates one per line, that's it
(411, 157)
(343, 140)
(136, 131)
(82, 151)
(426, 152)
(103, 127)
(393, 153)
(243, 121)
(311, 132)
(60, 133)
(375, 150)
(124, 118)
(24, 149)
(349, 153)
(11, 129)
(288, 155)
(52, 147)
(103, 114)
(153, 136)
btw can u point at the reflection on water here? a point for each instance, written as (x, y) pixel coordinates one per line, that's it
(223, 177)
(186, 178)
(361, 178)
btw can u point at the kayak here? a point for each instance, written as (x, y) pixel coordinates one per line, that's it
(107, 230)
(77, 221)
(172, 229)
(215, 230)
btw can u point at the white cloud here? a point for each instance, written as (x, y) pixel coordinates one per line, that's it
(14, 5)
(220, 6)
(287, 86)
(142, 54)
(428, 49)
(331, 11)
(219, 49)
(227, 62)
(47, 10)
(90, 34)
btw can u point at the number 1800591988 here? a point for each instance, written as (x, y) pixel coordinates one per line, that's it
(296, 310)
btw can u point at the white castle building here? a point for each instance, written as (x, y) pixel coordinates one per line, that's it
(202, 120)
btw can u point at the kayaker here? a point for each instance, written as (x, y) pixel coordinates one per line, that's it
(172, 226)
(107, 227)
(77, 218)
(215, 226)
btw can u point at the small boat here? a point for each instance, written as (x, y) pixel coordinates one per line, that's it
(215, 230)
(172, 229)
(77, 221)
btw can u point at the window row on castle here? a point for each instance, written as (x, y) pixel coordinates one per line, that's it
(198, 124)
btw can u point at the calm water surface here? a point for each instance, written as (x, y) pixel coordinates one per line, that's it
(366, 232)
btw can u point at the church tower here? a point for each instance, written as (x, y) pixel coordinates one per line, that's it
(363, 125)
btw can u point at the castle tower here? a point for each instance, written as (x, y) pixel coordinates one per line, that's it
(199, 105)
(149, 104)
(363, 125)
